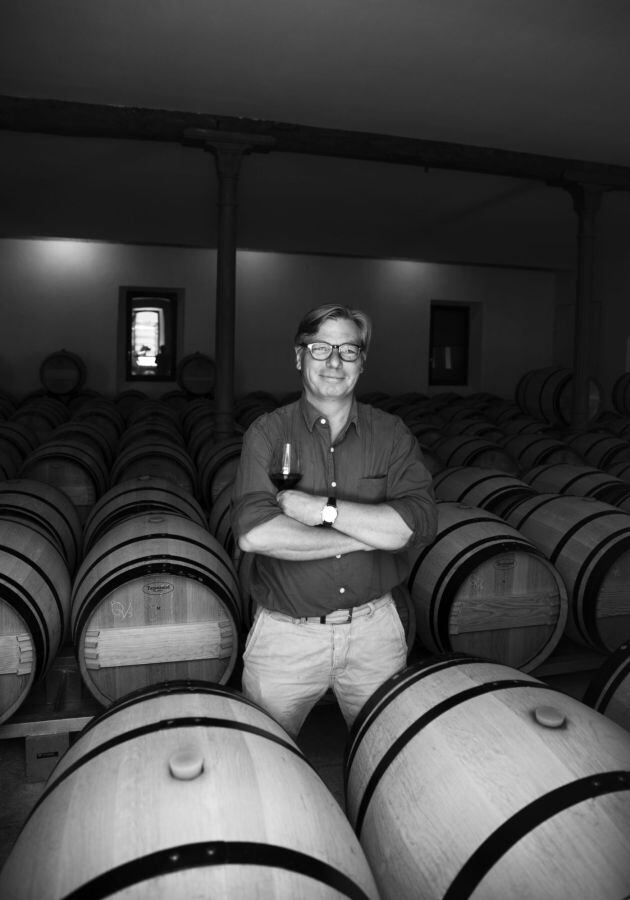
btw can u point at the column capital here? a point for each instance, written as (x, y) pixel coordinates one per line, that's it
(586, 197)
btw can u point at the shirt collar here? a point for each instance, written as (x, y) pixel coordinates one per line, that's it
(311, 415)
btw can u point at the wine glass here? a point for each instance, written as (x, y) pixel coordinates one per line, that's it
(285, 469)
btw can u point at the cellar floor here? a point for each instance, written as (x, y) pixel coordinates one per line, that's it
(322, 740)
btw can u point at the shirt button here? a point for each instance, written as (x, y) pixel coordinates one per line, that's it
(322, 421)
(338, 556)
(333, 484)
(342, 590)
(332, 449)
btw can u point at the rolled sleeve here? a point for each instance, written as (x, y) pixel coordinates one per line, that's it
(254, 496)
(410, 488)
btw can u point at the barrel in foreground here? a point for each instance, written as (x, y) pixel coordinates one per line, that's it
(186, 790)
(465, 778)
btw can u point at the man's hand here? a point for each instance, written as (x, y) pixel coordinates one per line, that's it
(304, 508)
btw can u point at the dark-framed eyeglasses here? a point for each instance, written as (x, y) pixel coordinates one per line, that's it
(321, 350)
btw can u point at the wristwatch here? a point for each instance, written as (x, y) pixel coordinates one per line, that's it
(329, 513)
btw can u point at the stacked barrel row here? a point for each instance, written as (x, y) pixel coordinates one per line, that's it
(105, 543)
(571, 508)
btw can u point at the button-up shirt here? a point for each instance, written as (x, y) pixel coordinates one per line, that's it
(375, 459)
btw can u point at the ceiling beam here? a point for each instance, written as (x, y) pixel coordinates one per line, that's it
(68, 118)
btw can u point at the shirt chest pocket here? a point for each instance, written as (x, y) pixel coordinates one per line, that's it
(373, 489)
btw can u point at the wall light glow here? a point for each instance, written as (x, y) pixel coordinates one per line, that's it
(66, 253)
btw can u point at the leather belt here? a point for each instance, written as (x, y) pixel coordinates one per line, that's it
(338, 616)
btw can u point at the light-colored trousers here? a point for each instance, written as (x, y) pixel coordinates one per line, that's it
(288, 664)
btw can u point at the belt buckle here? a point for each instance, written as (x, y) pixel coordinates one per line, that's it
(346, 621)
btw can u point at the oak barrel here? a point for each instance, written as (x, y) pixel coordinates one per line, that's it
(154, 411)
(17, 439)
(40, 415)
(482, 588)
(8, 464)
(221, 527)
(465, 778)
(88, 433)
(7, 405)
(489, 489)
(620, 470)
(469, 450)
(196, 374)
(217, 464)
(73, 467)
(159, 458)
(608, 691)
(219, 520)
(128, 400)
(150, 430)
(501, 411)
(156, 598)
(196, 410)
(620, 394)
(580, 481)
(105, 414)
(615, 423)
(523, 424)
(480, 427)
(47, 510)
(600, 448)
(531, 450)
(34, 610)
(62, 372)
(202, 433)
(548, 394)
(144, 494)
(589, 543)
(186, 791)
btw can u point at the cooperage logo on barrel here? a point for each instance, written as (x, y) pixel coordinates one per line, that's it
(504, 562)
(161, 587)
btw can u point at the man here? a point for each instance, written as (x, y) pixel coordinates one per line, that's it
(328, 552)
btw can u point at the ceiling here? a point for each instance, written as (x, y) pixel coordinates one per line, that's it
(530, 76)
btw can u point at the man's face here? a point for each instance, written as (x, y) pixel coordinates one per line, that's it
(332, 378)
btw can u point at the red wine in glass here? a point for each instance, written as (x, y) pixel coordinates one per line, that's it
(284, 482)
(285, 467)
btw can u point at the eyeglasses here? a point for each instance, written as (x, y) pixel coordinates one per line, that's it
(321, 350)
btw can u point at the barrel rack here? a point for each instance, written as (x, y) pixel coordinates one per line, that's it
(56, 707)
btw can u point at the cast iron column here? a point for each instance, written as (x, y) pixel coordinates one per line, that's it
(228, 150)
(586, 202)
(228, 161)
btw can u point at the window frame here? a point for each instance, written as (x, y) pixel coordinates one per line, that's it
(171, 302)
(464, 369)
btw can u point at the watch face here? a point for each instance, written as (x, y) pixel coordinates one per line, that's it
(329, 514)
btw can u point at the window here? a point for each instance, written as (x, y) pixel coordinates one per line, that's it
(150, 318)
(449, 342)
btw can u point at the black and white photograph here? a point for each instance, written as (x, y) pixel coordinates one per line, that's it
(314, 450)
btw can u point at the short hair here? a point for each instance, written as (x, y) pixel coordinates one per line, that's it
(313, 319)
